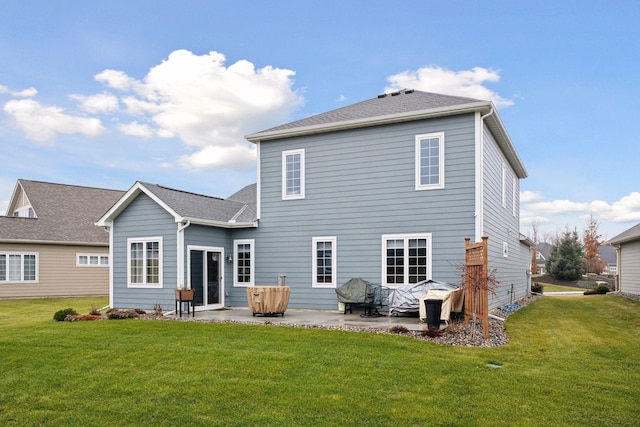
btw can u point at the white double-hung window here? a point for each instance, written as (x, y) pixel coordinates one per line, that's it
(144, 261)
(293, 174)
(430, 161)
(244, 263)
(324, 262)
(18, 267)
(406, 259)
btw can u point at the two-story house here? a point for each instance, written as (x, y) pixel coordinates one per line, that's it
(386, 189)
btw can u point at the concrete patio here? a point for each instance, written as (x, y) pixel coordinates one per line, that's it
(318, 318)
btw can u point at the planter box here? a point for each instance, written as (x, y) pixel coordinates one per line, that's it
(185, 294)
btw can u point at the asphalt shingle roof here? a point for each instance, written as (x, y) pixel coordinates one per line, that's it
(399, 102)
(628, 235)
(65, 213)
(240, 207)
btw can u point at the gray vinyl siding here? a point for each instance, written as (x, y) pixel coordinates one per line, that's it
(502, 227)
(360, 185)
(629, 268)
(144, 218)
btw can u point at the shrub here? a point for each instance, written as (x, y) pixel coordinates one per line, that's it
(602, 289)
(537, 288)
(95, 311)
(61, 315)
(399, 329)
(432, 332)
(115, 313)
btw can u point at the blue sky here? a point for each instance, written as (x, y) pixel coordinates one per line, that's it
(104, 93)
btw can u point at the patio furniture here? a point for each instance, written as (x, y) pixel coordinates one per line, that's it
(268, 300)
(185, 296)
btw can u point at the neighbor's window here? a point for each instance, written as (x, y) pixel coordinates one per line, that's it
(406, 259)
(145, 262)
(430, 161)
(243, 262)
(18, 267)
(92, 260)
(293, 174)
(324, 262)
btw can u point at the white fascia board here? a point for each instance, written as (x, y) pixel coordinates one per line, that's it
(52, 242)
(220, 224)
(494, 123)
(369, 121)
(138, 187)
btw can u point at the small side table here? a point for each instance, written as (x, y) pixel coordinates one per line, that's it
(182, 296)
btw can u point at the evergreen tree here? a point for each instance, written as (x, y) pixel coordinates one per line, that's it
(566, 260)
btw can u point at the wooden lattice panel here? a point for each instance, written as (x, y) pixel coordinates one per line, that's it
(476, 292)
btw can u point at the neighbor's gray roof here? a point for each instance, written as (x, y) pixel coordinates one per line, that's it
(65, 214)
(201, 207)
(400, 106)
(626, 236)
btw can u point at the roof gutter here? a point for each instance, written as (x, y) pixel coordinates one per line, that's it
(221, 224)
(53, 242)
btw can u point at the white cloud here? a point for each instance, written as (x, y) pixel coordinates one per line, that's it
(136, 129)
(25, 93)
(208, 106)
(467, 83)
(574, 214)
(115, 79)
(529, 197)
(99, 103)
(42, 123)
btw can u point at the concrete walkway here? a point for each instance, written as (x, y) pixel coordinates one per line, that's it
(320, 318)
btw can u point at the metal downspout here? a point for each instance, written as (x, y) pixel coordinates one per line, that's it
(180, 249)
(480, 206)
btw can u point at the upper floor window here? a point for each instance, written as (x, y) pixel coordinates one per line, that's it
(324, 262)
(243, 263)
(18, 267)
(430, 161)
(92, 260)
(25, 212)
(144, 259)
(293, 174)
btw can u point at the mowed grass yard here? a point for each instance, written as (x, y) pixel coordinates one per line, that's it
(570, 361)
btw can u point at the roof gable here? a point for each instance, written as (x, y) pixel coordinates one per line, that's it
(186, 206)
(65, 213)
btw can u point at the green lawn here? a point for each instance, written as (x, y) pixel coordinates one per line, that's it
(548, 287)
(570, 361)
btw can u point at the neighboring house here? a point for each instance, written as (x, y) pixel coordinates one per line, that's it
(386, 189)
(609, 260)
(627, 245)
(543, 252)
(49, 244)
(607, 255)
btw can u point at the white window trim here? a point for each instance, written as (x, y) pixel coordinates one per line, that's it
(405, 237)
(514, 194)
(334, 261)
(504, 185)
(418, 139)
(144, 241)
(285, 154)
(22, 254)
(89, 255)
(236, 243)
